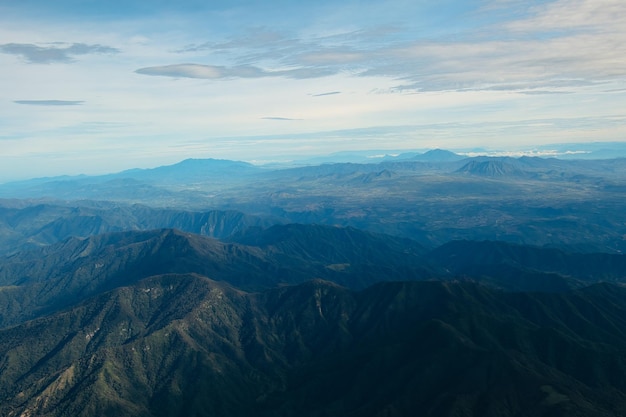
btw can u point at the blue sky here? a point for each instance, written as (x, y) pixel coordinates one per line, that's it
(98, 86)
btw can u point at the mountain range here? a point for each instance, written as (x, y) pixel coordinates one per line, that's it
(423, 284)
(183, 344)
(433, 198)
(44, 280)
(304, 317)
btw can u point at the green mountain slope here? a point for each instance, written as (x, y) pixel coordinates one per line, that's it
(39, 282)
(185, 345)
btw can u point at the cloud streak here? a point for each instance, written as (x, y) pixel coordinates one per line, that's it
(278, 118)
(213, 72)
(54, 53)
(330, 93)
(49, 102)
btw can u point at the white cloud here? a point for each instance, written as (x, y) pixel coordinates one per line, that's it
(58, 52)
(212, 72)
(184, 70)
(595, 15)
(549, 45)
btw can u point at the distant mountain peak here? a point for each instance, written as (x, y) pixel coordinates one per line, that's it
(438, 155)
(490, 168)
(192, 170)
(211, 161)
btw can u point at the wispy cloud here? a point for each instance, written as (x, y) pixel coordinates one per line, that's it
(53, 53)
(185, 71)
(543, 92)
(538, 46)
(595, 15)
(282, 55)
(334, 56)
(214, 72)
(257, 38)
(278, 118)
(49, 102)
(330, 93)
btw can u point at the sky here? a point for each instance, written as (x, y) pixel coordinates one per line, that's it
(94, 87)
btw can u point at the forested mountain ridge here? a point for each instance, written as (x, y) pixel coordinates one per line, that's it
(46, 279)
(41, 281)
(183, 344)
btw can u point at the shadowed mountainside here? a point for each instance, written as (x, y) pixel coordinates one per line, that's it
(491, 168)
(524, 268)
(183, 344)
(42, 281)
